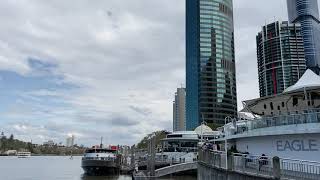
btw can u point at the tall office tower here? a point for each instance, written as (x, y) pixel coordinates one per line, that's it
(179, 110)
(307, 14)
(280, 55)
(210, 62)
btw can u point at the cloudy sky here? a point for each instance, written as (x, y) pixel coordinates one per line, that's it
(105, 68)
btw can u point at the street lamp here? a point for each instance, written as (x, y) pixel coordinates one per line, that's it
(228, 118)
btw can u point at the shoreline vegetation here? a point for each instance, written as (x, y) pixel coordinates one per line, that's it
(10, 146)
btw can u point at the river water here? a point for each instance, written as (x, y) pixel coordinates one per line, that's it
(52, 168)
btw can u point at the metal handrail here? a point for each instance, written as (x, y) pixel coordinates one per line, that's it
(247, 163)
(282, 120)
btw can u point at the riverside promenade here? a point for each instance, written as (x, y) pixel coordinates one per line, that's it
(213, 165)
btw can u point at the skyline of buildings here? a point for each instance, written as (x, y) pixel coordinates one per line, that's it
(210, 62)
(179, 110)
(280, 57)
(306, 12)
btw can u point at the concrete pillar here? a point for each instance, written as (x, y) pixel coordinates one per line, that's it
(132, 162)
(230, 162)
(151, 155)
(276, 167)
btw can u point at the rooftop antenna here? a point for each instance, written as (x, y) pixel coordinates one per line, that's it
(101, 142)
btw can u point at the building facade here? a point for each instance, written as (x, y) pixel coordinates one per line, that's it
(280, 55)
(70, 141)
(179, 110)
(210, 62)
(306, 12)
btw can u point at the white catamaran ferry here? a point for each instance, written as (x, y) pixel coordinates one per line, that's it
(24, 154)
(286, 125)
(182, 146)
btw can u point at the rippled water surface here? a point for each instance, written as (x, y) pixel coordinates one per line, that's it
(51, 168)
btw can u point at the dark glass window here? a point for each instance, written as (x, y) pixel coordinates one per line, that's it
(271, 105)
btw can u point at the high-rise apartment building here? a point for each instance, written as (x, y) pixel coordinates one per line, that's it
(210, 62)
(306, 12)
(179, 110)
(70, 141)
(280, 55)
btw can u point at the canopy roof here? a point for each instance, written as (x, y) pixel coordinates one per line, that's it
(307, 81)
(203, 129)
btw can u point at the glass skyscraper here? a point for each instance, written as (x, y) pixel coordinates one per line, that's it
(306, 12)
(210, 62)
(280, 55)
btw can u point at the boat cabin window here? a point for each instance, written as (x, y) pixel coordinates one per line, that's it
(100, 151)
(174, 135)
(295, 101)
(180, 146)
(271, 105)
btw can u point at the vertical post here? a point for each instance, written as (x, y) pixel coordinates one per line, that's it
(101, 142)
(276, 167)
(153, 154)
(132, 157)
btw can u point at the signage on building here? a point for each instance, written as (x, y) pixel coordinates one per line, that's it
(297, 145)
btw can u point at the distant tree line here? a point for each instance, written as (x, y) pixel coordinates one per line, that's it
(15, 144)
(143, 144)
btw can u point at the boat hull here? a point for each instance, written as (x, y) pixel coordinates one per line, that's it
(100, 167)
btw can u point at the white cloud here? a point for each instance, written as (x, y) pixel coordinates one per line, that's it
(126, 59)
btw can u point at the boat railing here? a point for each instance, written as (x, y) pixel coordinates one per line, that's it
(180, 149)
(282, 120)
(99, 158)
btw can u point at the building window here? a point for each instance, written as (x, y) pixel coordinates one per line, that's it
(265, 106)
(282, 104)
(279, 108)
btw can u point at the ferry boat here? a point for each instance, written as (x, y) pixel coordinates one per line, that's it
(182, 146)
(286, 125)
(24, 154)
(101, 161)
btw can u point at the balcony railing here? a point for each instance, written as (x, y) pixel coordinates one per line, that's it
(282, 120)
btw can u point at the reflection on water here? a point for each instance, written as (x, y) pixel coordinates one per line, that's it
(122, 177)
(53, 168)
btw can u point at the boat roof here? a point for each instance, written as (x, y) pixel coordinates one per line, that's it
(180, 139)
(184, 133)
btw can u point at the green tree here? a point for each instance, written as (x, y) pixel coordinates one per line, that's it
(143, 144)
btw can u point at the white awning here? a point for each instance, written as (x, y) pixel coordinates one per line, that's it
(307, 81)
